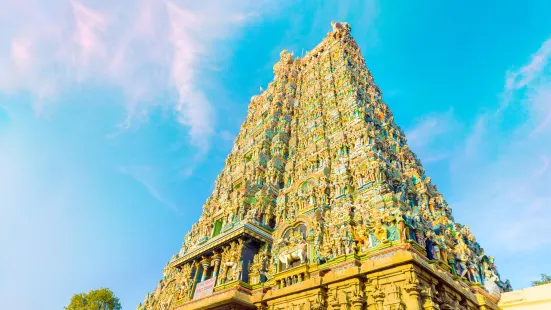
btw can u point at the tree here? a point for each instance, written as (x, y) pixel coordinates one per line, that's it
(545, 279)
(102, 299)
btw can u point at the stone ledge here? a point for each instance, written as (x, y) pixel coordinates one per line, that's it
(235, 295)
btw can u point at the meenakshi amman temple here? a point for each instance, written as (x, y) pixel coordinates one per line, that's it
(322, 205)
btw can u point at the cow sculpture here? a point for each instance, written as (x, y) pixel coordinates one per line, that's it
(298, 252)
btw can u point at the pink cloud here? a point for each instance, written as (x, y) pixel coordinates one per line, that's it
(89, 26)
(144, 48)
(21, 54)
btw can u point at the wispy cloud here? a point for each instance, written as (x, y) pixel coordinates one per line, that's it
(146, 176)
(502, 168)
(144, 48)
(429, 128)
(90, 27)
(431, 135)
(540, 100)
(530, 72)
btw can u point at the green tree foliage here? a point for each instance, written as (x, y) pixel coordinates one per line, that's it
(102, 299)
(545, 279)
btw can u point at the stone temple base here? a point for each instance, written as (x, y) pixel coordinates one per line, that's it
(399, 277)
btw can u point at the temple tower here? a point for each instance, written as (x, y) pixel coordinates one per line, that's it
(322, 205)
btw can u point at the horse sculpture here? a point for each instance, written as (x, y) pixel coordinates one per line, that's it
(288, 256)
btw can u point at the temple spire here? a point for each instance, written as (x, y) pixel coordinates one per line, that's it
(320, 178)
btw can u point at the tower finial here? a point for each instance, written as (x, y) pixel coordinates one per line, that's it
(341, 27)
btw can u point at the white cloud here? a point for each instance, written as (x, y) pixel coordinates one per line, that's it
(227, 136)
(144, 48)
(147, 177)
(530, 72)
(500, 180)
(187, 48)
(429, 128)
(540, 100)
(90, 26)
(430, 136)
(20, 54)
(502, 170)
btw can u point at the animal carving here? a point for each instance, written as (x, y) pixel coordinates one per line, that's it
(288, 256)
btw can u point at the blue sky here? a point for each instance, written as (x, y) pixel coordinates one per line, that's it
(116, 117)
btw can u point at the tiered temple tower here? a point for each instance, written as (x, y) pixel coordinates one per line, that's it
(322, 205)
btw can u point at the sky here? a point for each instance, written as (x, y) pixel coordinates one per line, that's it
(116, 117)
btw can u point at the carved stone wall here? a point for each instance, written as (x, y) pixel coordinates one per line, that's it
(319, 189)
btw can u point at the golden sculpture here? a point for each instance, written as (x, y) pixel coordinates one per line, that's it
(322, 205)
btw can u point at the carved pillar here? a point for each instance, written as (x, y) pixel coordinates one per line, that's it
(393, 298)
(357, 304)
(334, 301)
(205, 262)
(430, 298)
(319, 302)
(358, 299)
(195, 265)
(217, 258)
(343, 298)
(375, 293)
(335, 305)
(379, 299)
(412, 288)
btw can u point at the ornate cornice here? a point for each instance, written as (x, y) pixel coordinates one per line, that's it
(244, 228)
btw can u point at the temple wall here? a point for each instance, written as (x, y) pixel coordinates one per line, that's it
(322, 205)
(398, 280)
(532, 298)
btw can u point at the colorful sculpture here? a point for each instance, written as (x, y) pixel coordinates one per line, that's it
(320, 172)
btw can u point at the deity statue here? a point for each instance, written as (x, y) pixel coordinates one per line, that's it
(320, 166)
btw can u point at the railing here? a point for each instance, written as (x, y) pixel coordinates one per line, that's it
(291, 279)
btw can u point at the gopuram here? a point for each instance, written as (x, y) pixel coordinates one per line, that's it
(322, 205)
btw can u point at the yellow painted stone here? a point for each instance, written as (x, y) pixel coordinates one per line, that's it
(532, 298)
(322, 205)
